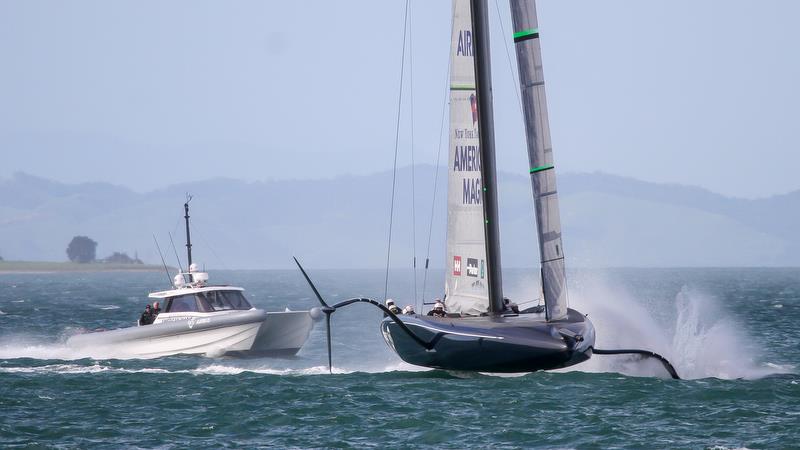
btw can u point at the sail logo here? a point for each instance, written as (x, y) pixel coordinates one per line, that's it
(472, 267)
(457, 266)
(473, 104)
(464, 43)
(467, 159)
(471, 191)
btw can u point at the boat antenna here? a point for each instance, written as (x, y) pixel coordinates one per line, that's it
(166, 270)
(188, 239)
(176, 252)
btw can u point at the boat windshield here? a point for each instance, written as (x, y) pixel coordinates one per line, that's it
(183, 303)
(208, 302)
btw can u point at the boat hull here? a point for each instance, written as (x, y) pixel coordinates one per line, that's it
(282, 334)
(500, 344)
(211, 334)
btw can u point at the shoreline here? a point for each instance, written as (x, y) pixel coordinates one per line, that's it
(68, 266)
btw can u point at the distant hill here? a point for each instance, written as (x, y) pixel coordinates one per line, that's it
(343, 222)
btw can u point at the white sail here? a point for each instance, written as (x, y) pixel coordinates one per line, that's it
(466, 283)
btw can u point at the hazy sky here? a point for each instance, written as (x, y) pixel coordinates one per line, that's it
(150, 93)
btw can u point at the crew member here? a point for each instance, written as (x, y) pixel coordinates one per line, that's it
(438, 310)
(156, 309)
(510, 306)
(392, 307)
(147, 316)
(409, 309)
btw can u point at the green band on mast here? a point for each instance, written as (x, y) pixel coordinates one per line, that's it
(524, 35)
(541, 168)
(462, 87)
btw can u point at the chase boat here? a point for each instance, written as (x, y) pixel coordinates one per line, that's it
(208, 320)
(199, 318)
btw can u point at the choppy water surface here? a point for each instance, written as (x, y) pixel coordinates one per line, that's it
(731, 333)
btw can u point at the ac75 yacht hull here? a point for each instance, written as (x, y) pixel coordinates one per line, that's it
(500, 344)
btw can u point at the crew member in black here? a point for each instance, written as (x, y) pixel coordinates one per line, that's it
(156, 310)
(510, 306)
(147, 316)
(438, 310)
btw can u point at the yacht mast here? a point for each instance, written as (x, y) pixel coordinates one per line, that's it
(483, 87)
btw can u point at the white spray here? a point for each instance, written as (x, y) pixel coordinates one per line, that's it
(700, 338)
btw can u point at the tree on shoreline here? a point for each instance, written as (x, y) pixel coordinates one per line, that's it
(82, 249)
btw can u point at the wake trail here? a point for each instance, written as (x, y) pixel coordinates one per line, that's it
(25, 346)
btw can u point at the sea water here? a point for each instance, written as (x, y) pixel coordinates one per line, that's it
(732, 335)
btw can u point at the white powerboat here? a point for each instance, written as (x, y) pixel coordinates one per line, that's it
(199, 318)
(276, 334)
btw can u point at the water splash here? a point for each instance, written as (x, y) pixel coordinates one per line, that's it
(698, 336)
(37, 347)
(708, 342)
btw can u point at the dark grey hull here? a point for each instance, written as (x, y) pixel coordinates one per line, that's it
(502, 344)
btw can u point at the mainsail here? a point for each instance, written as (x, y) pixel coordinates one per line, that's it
(467, 275)
(540, 155)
